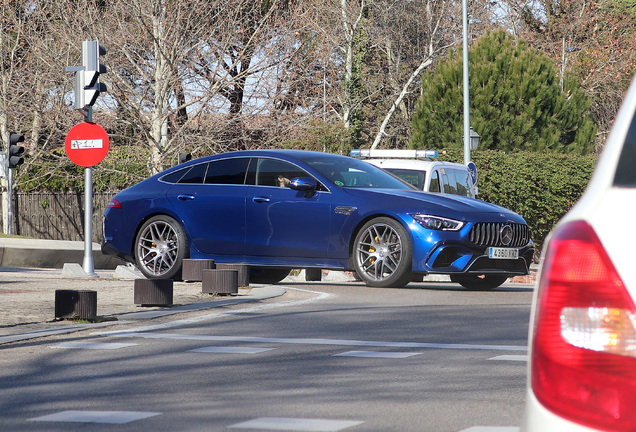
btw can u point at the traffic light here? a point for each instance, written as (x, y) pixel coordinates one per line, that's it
(91, 50)
(16, 152)
(87, 85)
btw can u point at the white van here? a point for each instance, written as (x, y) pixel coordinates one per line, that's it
(418, 168)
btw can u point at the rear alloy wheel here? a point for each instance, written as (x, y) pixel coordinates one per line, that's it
(479, 282)
(382, 253)
(161, 246)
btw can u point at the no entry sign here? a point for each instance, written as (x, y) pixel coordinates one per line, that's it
(86, 144)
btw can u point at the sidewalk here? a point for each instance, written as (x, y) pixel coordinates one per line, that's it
(27, 300)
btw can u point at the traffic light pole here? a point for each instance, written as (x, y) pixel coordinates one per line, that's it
(87, 89)
(9, 229)
(89, 265)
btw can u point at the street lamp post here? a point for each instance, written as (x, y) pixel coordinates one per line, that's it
(466, 91)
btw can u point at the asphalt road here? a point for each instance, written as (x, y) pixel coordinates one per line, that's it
(323, 357)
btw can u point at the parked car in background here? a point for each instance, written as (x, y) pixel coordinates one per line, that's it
(419, 168)
(582, 341)
(281, 209)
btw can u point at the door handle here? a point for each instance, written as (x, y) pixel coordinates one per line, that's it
(260, 199)
(185, 197)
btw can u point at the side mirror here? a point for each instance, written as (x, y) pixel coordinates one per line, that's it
(304, 184)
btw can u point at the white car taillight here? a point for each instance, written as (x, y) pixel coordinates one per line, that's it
(583, 364)
(602, 329)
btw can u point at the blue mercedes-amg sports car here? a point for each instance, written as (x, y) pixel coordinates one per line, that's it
(282, 209)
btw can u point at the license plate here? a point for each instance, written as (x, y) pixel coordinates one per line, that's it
(503, 253)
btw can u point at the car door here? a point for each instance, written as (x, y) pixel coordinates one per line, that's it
(212, 205)
(282, 222)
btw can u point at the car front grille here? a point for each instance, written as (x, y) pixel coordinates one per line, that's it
(490, 234)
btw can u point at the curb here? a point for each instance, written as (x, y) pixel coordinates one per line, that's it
(21, 252)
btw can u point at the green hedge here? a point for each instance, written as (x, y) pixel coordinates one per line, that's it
(540, 187)
(122, 167)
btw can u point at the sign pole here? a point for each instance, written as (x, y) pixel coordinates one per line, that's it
(89, 265)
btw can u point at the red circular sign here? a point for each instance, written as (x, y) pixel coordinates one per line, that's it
(86, 144)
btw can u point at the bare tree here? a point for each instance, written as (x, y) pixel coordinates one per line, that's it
(32, 82)
(409, 37)
(151, 45)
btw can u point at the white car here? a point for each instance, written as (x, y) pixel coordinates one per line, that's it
(582, 340)
(418, 168)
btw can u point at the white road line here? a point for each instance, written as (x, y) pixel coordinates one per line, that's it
(231, 350)
(112, 417)
(377, 354)
(316, 341)
(92, 345)
(209, 317)
(521, 358)
(296, 424)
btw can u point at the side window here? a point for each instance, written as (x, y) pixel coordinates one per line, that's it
(463, 182)
(175, 176)
(274, 172)
(195, 175)
(227, 172)
(450, 184)
(434, 187)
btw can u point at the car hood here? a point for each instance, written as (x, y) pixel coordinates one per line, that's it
(455, 206)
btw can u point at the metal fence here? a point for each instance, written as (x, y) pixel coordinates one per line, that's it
(57, 215)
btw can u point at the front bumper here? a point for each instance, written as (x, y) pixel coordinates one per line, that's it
(466, 251)
(449, 258)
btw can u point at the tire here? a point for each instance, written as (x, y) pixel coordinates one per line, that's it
(268, 275)
(382, 253)
(479, 282)
(160, 248)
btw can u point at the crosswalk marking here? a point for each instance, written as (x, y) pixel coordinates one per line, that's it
(112, 417)
(491, 429)
(377, 354)
(92, 345)
(231, 350)
(296, 424)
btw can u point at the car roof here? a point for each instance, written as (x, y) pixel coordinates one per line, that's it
(297, 154)
(418, 164)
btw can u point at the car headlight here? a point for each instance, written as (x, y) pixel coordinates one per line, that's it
(437, 222)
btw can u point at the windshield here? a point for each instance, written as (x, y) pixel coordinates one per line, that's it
(353, 173)
(625, 173)
(415, 177)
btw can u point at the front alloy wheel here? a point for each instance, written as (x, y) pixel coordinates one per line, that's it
(161, 246)
(382, 253)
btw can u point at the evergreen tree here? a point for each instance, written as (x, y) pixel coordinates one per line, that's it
(516, 102)
(355, 91)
